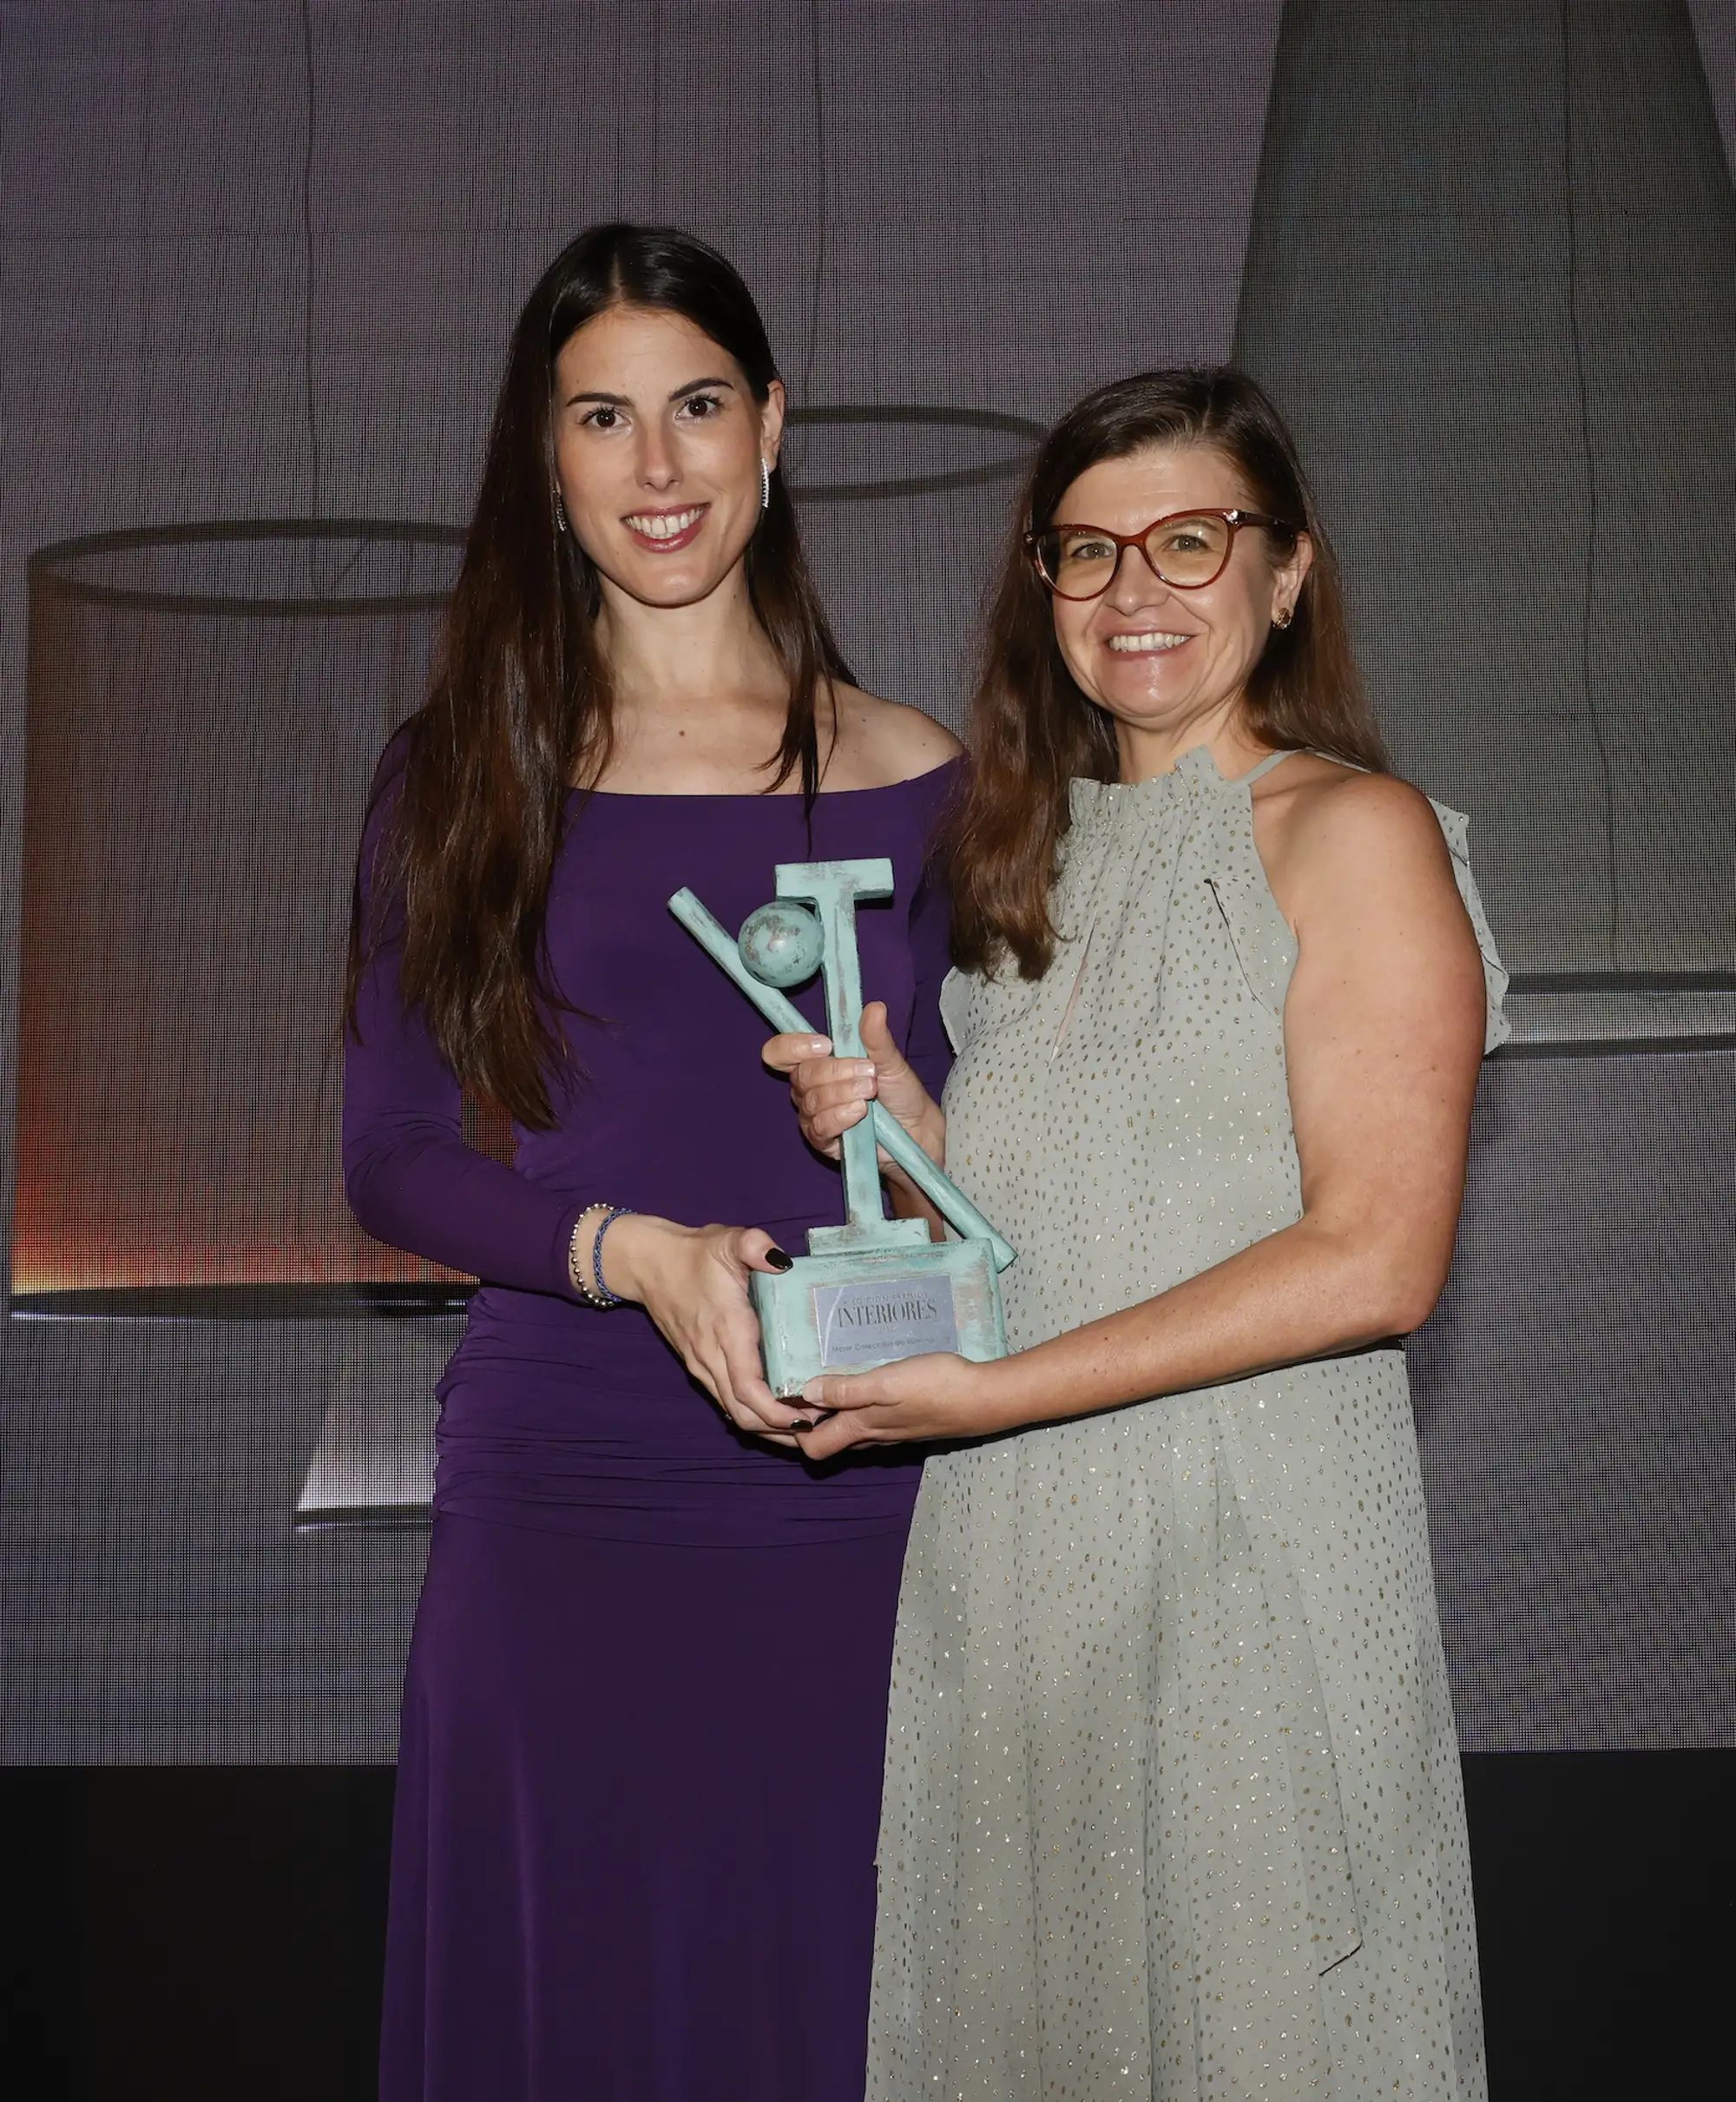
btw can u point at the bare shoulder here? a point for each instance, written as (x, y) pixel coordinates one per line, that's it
(1327, 833)
(882, 741)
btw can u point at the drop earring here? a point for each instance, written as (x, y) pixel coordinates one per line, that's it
(560, 513)
(765, 484)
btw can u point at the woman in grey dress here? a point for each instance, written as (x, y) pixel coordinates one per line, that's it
(1172, 1800)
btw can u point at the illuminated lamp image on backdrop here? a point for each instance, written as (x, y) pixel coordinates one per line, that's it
(207, 704)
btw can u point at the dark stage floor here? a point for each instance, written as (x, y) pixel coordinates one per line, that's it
(213, 1934)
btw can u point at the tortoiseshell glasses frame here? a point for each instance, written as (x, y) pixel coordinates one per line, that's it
(1183, 568)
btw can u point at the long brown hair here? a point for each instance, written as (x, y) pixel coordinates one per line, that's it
(519, 699)
(1032, 729)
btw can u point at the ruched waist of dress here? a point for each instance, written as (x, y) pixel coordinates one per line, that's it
(609, 1436)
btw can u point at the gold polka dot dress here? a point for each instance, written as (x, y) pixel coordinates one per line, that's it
(1172, 1805)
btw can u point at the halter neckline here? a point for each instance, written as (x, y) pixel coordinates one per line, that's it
(1195, 767)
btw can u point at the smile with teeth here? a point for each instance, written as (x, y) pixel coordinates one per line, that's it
(1143, 643)
(664, 525)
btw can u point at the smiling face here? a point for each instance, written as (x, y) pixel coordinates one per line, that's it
(658, 441)
(1169, 665)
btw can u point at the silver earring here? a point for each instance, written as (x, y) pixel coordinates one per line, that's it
(560, 513)
(765, 484)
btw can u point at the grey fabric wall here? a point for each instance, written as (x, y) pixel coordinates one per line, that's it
(258, 262)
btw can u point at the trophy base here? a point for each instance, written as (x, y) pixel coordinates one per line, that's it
(851, 1312)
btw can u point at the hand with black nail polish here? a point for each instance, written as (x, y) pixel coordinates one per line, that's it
(693, 1281)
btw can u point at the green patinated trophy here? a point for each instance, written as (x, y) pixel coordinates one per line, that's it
(874, 1290)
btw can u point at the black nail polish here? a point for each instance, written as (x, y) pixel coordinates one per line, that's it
(778, 1259)
(801, 1423)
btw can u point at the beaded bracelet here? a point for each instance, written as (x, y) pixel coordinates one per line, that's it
(595, 1291)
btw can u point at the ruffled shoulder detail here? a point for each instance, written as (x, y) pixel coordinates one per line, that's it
(1456, 828)
(955, 1007)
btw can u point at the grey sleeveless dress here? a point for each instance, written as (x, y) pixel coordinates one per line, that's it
(1172, 1803)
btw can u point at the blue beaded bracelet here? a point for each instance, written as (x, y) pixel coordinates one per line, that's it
(597, 1292)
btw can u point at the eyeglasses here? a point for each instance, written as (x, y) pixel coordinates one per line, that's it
(1188, 550)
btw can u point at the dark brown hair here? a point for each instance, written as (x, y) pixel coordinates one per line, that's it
(520, 704)
(1032, 729)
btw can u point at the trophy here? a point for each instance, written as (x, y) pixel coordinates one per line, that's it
(874, 1290)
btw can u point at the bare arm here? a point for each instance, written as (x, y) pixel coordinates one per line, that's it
(1383, 1038)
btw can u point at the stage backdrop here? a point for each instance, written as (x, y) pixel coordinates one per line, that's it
(259, 264)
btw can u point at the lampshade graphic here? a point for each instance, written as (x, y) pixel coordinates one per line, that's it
(206, 705)
(1491, 279)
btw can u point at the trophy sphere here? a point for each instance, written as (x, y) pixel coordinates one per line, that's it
(781, 944)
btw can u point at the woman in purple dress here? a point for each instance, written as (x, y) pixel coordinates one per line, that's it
(640, 1769)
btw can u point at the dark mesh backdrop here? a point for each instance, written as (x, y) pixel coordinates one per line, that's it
(259, 263)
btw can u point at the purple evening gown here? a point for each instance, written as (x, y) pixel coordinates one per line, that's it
(638, 1777)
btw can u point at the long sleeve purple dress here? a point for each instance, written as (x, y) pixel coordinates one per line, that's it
(639, 1776)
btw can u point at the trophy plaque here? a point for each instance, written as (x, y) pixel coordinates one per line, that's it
(874, 1290)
